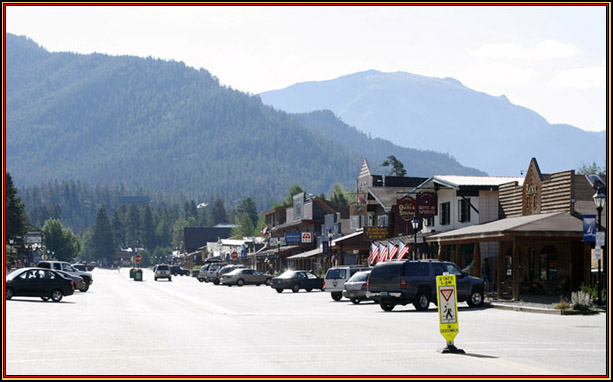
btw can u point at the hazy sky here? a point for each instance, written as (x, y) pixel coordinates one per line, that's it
(551, 59)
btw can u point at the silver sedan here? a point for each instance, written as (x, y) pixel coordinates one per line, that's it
(243, 276)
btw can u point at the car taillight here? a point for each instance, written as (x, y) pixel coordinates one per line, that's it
(324, 284)
(368, 284)
(403, 284)
(72, 284)
(364, 287)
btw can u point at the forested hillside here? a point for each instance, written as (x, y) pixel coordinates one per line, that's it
(163, 127)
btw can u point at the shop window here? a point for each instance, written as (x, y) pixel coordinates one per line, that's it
(548, 266)
(445, 213)
(464, 210)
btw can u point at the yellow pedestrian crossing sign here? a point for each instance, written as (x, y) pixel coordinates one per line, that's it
(447, 306)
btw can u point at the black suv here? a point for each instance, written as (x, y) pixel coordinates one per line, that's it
(405, 282)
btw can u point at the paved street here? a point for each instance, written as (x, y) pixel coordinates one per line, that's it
(184, 327)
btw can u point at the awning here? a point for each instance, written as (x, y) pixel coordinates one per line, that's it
(346, 237)
(556, 224)
(304, 255)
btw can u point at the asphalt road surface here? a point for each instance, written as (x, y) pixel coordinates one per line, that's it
(122, 327)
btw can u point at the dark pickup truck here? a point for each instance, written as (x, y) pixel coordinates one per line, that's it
(404, 282)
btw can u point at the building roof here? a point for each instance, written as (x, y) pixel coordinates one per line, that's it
(196, 237)
(388, 196)
(457, 181)
(304, 255)
(550, 224)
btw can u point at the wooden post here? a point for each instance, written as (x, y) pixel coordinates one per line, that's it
(516, 268)
(500, 269)
(477, 260)
(440, 251)
(458, 255)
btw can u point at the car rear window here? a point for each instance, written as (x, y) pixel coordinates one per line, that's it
(417, 269)
(162, 267)
(386, 271)
(360, 276)
(336, 274)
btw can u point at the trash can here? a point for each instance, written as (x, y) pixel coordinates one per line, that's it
(132, 271)
(138, 275)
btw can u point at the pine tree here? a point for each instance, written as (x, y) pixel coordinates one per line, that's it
(102, 238)
(15, 212)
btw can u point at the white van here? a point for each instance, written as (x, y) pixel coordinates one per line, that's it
(337, 277)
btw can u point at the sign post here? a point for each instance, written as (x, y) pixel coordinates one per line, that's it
(448, 311)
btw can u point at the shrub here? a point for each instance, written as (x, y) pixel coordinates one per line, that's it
(563, 304)
(581, 300)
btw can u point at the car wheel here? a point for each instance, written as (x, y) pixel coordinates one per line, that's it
(336, 296)
(201, 280)
(387, 306)
(295, 288)
(309, 289)
(279, 290)
(85, 288)
(422, 301)
(57, 295)
(45, 298)
(476, 298)
(170, 279)
(156, 279)
(8, 294)
(216, 282)
(240, 282)
(355, 300)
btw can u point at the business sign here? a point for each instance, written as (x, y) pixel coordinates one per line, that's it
(276, 241)
(426, 204)
(293, 237)
(307, 237)
(376, 233)
(406, 208)
(447, 306)
(589, 228)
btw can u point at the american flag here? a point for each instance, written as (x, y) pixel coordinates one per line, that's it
(403, 249)
(391, 250)
(374, 253)
(382, 252)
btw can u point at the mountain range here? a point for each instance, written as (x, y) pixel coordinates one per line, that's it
(149, 125)
(441, 114)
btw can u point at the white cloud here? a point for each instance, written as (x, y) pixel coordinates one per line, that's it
(544, 50)
(580, 78)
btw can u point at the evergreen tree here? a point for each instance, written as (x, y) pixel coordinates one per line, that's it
(339, 195)
(397, 166)
(102, 238)
(147, 228)
(247, 206)
(244, 227)
(16, 227)
(132, 226)
(293, 190)
(218, 213)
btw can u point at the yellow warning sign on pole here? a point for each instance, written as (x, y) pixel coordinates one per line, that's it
(448, 309)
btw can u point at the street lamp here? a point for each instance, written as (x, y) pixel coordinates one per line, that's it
(415, 223)
(599, 200)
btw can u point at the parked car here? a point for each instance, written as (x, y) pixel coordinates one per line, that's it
(67, 267)
(211, 273)
(356, 287)
(409, 281)
(162, 271)
(178, 270)
(225, 269)
(202, 272)
(336, 278)
(80, 267)
(245, 276)
(296, 280)
(37, 282)
(78, 282)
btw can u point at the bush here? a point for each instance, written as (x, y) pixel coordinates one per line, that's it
(581, 300)
(593, 291)
(563, 304)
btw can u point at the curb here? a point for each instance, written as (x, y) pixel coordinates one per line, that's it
(530, 309)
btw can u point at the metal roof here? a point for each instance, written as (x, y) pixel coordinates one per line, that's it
(550, 224)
